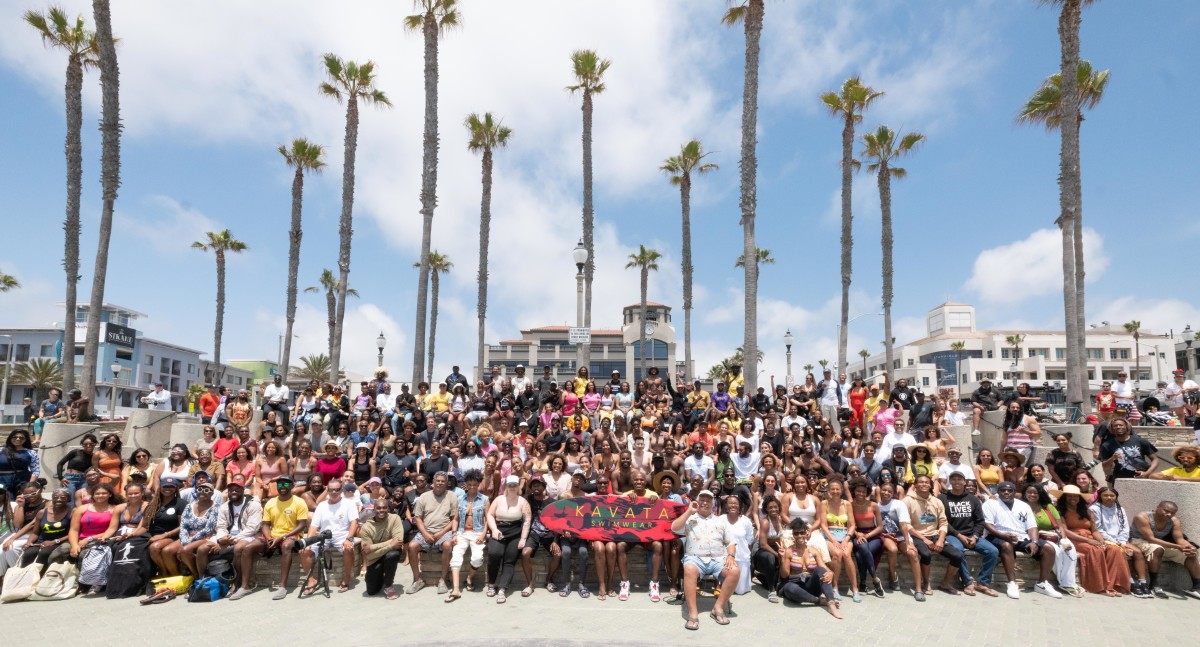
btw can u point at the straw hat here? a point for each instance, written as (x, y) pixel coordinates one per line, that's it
(658, 478)
(1009, 451)
(912, 451)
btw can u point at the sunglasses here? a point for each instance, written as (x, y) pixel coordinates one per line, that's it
(204, 489)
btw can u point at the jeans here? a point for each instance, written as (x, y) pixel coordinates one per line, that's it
(382, 573)
(983, 548)
(75, 481)
(578, 547)
(952, 552)
(766, 565)
(806, 587)
(829, 412)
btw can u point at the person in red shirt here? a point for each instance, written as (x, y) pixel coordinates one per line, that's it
(1106, 402)
(208, 405)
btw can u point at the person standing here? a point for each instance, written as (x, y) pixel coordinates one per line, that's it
(158, 399)
(832, 396)
(208, 404)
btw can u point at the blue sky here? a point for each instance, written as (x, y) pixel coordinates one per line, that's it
(206, 102)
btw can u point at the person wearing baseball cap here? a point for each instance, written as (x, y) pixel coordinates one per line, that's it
(285, 518)
(708, 551)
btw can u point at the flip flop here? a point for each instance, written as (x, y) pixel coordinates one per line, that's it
(309, 589)
(565, 592)
(501, 598)
(718, 617)
(692, 624)
(452, 597)
(584, 593)
(342, 588)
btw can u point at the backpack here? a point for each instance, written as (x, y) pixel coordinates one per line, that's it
(221, 568)
(60, 582)
(208, 589)
(93, 565)
(130, 569)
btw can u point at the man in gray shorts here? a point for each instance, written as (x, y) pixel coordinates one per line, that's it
(435, 515)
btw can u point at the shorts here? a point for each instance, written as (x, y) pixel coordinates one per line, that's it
(333, 546)
(447, 538)
(536, 540)
(1025, 545)
(1149, 550)
(711, 568)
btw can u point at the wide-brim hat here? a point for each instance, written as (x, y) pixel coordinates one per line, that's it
(658, 478)
(1009, 451)
(912, 451)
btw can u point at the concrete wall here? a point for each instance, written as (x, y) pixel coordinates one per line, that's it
(1142, 495)
(59, 438)
(149, 429)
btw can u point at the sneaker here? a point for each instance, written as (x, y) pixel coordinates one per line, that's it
(1014, 591)
(624, 595)
(280, 594)
(878, 588)
(837, 595)
(654, 596)
(390, 593)
(857, 597)
(415, 586)
(442, 588)
(1140, 590)
(1046, 588)
(239, 594)
(919, 596)
(893, 585)
(975, 432)
(1193, 592)
(1159, 592)
(773, 597)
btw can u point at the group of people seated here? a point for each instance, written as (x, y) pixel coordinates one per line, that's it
(814, 493)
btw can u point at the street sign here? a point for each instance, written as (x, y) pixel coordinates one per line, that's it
(580, 335)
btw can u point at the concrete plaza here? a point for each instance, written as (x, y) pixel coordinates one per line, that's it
(545, 619)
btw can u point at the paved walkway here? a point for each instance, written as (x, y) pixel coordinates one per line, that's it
(545, 619)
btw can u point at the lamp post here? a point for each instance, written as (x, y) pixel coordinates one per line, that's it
(580, 256)
(788, 339)
(1188, 338)
(279, 355)
(380, 343)
(7, 368)
(112, 405)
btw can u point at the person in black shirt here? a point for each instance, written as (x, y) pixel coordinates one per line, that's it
(985, 398)
(897, 463)
(902, 395)
(964, 517)
(761, 403)
(1130, 455)
(834, 458)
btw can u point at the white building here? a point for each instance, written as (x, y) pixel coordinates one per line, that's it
(1040, 358)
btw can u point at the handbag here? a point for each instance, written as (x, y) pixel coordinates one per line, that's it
(60, 582)
(20, 581)
(93, 565)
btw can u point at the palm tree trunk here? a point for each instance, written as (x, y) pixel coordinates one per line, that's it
(749, 197)
(685, 199)
(345, 235)
(885, 208)
(110, 179)
(74, 152)
(1074, 357)
(485, 224)
(429, 164)
(588, 223)
(219, 325)
(847, 232)
(1069, 197)
(645, 285)
(433, 312)
(293, 266)
(331, 309)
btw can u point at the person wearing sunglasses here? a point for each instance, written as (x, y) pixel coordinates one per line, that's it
(199, 523)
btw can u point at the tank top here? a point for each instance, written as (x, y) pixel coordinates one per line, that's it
(52, 530)
(362, 471)
(126, 524)
(807, 513)
(269, 470)
(308, 405)
(166, 518)
(772, 531)
(93, 523)
(505, 513)
(864, 520)
(990, 475)
(304, 468)
(1163, 534)
(1018, 438)
(180, 473)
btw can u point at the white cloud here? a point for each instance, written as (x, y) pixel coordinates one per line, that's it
(164, 224)
(1032, 267)
(1158, 316)
(364, 322)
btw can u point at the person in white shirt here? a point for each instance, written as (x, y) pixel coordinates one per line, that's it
(159, 399)
(952, 465)
(745, 462)
(709, 550)
(699, 464)
(1011, 526)
(794, 418)
(275, 398)
(1175, 394)
(1123, 390)
(896, 436)
(953, 416)
(834, 395)
(338, 514)
(385, 404)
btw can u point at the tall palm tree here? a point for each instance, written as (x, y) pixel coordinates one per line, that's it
(313, 367)
(82, 49)
(645, 260)
(848, 104)
(1134, 328)
(1015, 341)
(40, 374)
(438, 264)
(864, 354)
(882, 147)
(302, 156)
(434, 17)
(110, 180)
(764, 258)
(824, 363)
(485, 135)
(328, 284)
(958, 347)
(353, 82)
(680, 168)
(749, 13)
(589, 71)
(808, 368)
(1046, 108)
(8, 282)
(219, 243)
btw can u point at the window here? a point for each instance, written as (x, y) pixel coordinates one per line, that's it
(1056, 375)
(149, 359)
(1095, 353)
(991, 354)
(22, 353)
(911, 362)
(1060, 353)
(924, 381)
(615, 349)
(1006, 353)
(191, 370)
(164, 365)
(1118, 353)
(937, 324)
(1039, 352)
(81, 316)
(147, 378)
(119, 318)
(47, 350)
(960, 320)
(658, 349)
(979, 375)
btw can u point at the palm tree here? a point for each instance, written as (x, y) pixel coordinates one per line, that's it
(313, 367)
(8, 282)
(41, 375)
(808, 368)
(81, 47)
(764, 258)
(849, 104)
(589, 71)
(433, 19)
(110, 180)
(864, 354)
(486, 134)
(1052, 100)
(1015, 341)
(353, 82)
(329, 285)
(302, 156)
(958, 347)
(750, 14)
(883, 147)
(220, 244)
(680, 168)
(824, 364)
(724, 369)
(438, 264)
(645, 260)
(1134, 328)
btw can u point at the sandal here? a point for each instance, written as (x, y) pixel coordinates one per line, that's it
(342, 588)
(601, 596)
(949, 590)
(452, 597)
(584, 593)
(500, 597)
(550, 588)
(309, 589)
(491, 591)
(565, 592)
(718, 617)
(527, 591)
(692, 624)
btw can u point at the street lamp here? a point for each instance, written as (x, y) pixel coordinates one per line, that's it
(112, 405)
(380, 343)
(788, 338)
(580, 256)
(7, 367)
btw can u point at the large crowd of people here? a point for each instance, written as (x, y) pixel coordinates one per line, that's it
(816, 494)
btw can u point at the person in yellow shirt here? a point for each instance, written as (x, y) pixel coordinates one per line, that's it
(1188, 470)
(700, 399)
(440, 401)
(285, 518)
(735, 378)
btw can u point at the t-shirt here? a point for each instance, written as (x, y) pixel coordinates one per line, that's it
(949, 468)
(707, 537)
(335, 517)
(698, 467)
(284, 516)
(1019, 518)
(436, 511)
(1182, 473)
(1174, 393)
(1132, 455)
(894, 513)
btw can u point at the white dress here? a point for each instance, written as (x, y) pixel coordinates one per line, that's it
(743, 535)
